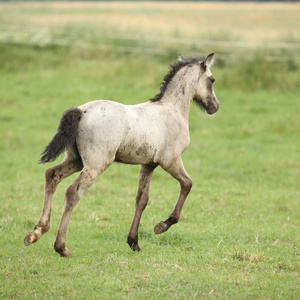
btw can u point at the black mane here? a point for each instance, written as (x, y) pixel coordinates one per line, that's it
(174, 68)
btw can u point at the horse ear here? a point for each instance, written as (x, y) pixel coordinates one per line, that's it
(181, 58)
(209, 60)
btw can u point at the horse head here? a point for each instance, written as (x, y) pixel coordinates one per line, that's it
(204, 94)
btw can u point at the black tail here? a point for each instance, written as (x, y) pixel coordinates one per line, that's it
(65, 136)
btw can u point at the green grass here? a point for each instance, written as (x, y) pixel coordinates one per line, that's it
(238, 237)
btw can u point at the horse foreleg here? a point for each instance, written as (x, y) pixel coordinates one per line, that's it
(53, 176)
(142, 198)
(178, 172)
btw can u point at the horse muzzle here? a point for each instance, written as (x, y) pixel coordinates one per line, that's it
(213, 105)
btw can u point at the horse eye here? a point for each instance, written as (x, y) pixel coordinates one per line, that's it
(213, 80)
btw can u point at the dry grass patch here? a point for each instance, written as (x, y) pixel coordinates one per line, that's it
(245, 256)
(254, 22)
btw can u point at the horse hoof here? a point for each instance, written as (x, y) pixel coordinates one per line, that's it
(62, 251)
(135, 248)
(65, 253)
(160, 227)
(30, 238)
(133, 244)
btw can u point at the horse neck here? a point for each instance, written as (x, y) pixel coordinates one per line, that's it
(181, 91)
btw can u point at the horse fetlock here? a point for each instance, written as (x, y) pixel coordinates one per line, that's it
(41, 228)
(172, 220)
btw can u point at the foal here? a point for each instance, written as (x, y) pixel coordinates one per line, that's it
(150, 134)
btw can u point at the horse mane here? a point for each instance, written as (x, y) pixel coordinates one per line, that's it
(174, 68)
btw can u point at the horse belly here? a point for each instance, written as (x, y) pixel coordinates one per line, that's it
(143, 153)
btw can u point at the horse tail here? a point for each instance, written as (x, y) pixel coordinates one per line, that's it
(65, 136)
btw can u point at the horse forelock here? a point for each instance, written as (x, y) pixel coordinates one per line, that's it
(174, 68)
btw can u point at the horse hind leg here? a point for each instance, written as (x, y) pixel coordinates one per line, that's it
(73, 194)
(53, 176)
(178, 172)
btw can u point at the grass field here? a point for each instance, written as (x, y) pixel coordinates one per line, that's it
(238, 237)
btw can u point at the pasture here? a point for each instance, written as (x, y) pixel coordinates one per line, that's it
(238, 236)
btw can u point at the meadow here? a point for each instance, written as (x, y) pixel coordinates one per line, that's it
(238, 236)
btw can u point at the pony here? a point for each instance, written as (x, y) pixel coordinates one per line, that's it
(150, 134)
